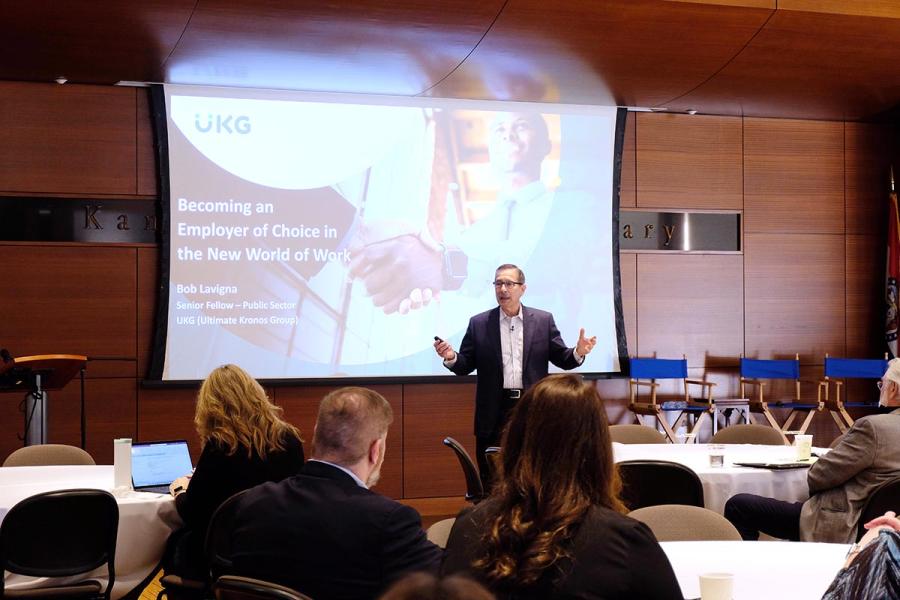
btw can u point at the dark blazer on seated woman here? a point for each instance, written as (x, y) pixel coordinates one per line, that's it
(246, 442)
(611, 557)
(219, 475)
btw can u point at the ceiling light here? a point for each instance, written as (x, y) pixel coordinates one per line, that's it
(60, 80)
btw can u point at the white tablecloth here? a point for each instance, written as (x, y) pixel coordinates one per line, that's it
(145, 520)
(768, 570)
(720, 483)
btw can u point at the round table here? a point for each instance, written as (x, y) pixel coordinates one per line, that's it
(145, 520)
(720, 483)
(770, 570)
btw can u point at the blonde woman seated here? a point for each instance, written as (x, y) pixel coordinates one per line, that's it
(245, 443)
(554, 526)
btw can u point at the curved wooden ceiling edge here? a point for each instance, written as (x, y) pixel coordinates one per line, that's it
(809, 64)
(629, 53)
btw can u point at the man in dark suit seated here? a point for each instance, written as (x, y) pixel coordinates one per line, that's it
(323, 532)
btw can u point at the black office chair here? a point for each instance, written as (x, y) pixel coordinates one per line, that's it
(61, 534)
(653, 482)
(218, 555)
(229, 587)
(474, 489)
(885, 497)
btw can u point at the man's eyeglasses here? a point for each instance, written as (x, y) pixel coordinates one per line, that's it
(508, 284)
(880, 384)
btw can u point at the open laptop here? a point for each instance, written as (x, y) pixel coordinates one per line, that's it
(155, 465)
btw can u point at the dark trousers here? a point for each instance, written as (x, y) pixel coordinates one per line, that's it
(486, 467)
(752, 514)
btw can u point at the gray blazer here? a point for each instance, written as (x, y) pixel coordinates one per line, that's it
(842, 480)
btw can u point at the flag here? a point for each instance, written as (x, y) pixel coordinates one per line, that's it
(892, 273)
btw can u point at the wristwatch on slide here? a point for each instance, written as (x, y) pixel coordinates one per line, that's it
(455, 267)
(454, 262)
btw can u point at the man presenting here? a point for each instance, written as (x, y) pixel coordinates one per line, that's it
(323, 532)
(510, 347)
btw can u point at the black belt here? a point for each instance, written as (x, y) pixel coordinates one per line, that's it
(512, 393)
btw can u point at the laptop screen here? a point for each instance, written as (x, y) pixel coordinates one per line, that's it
(159, 463)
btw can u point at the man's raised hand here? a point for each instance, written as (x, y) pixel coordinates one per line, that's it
(585, 345)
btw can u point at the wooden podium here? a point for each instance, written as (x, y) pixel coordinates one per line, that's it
(35, 375)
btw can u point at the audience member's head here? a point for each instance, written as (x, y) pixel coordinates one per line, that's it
(351, 431)
(234, 411)
(424, 586)
(556, 463)
(890, 384)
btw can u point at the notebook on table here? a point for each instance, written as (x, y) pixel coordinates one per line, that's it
(155, 465)
(778, 465)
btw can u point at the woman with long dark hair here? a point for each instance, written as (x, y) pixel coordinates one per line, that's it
(554, 526)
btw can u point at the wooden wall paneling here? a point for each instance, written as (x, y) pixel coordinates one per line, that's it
(866, 306)
(431, 413)
(691, 305)
(614, 394)
(868, 157)
(146, 147)
(860, 390)
(301, 404)
(689, 161)
(793, 176)
(794, 296)
(147, 293)
(71, 300)
(12, 423)
(628, 175)
(111, 406)
(67, 139)
(110, 409)
(726, 378)
(168, 414)
(628, 279)
(109, 412)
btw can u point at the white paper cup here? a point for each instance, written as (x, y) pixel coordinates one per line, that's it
(803, 443)
(716, 586)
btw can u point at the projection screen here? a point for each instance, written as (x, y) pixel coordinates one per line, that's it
(327, 236)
